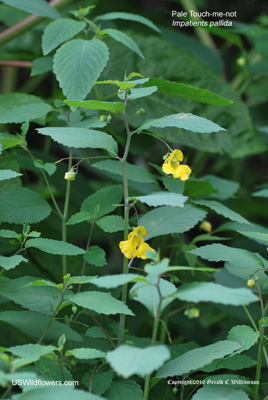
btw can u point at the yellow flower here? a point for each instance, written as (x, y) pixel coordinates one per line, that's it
(172, 165)
(135, 245)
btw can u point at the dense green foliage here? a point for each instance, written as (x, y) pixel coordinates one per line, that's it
(90, 168)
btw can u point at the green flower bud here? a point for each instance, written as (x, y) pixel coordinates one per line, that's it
(251, 283)
(192, 312)
(70, 176)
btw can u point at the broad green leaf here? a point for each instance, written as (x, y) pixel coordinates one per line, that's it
(129, 360)
(173, 185)
(12, 101)
(102, 303)
(138, 93)
(219, 252)
(165, 220)
(148, 295)
(214, 293)
(248, 272)
(95, 255)
(71, 66)
(31, 351)
(50, 168)
(124, 85)
(79, 217)
(38, 7)
(7, 141)
(113, 281)
(98, 105)
(261, 193)
(80, 280)
(103, 201)
(11, 262)
(225, 187)
(81, 138)
(22, 204)
(128, 17)
(216, 392)
(189, 122)
(58, 392)
(256, 235)
(162, 199)
(195, 359)
(42, 65)
(34, 324)
(198, 188)
(232, 363)
(122, 389)
(52, 246)
(8, 174)
(6, 233)
(86, 354)
(100, 382)
(223, 210)
(188, 92)
(42, 299)
(26, 112)
(111, 223)
(244, 335)
(134, 172)
(59, 31)
(125, 40)
(162, 267)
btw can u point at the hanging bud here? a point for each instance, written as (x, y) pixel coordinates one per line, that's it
(241, 61)
(206, 226)
(192, 312)
(251, 283)
(70, 175)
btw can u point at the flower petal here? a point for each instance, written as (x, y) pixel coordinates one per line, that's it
(127, 248)
(183, 172)
(141, 250)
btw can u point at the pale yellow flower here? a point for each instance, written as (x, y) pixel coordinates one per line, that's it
(135, 245)
(172, 165)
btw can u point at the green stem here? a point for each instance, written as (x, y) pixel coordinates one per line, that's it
(259, 359)
(102, 328)
(65, 214)
(154, 336)
(156, 137)
(251, 319)
(87, 246)
(26, 23)
(51, 320)
(126, 217)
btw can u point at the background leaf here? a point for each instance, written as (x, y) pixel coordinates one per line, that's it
(39, 7)
(124, 39)
(52, 246)
(129, 17)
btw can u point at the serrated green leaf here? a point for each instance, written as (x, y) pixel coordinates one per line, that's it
(42, 65)
(261, 193)
(244, 335)
(162, 199)
(71, 66)
(95, 255)
(100, 382)
(225, 187)
(165, 220)
(124, 85)
(214, 293)
(102, 303)
(38, 7)
(148, 295)
(198, 188)
(195, 359)
(214, 392)
(134, 172)
(188, 92)
(103, 201)
(129, 360)
(80, 280)
(22, 204)
(11, 262)
(50, 168)
(111, 223)
(128, 17)
(8, 174)
(26, 112)
(189, 122)
(122, 389)
(219, 252)
(138, 93)
(81, 138)
(7, 141)
(125, 40)
(233, 363)
(223, 210)
(98, 105)
(31, 351)
(113, 281)
(59, 31)
(86, 353)
(52, 246)
(79, 217)
(256, 235)
(6, 233)
(34, 324)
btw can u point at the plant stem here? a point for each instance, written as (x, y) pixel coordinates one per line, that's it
(26, 23)
(154, 336)
(87, 246)
(102, 328)
(259, 359)
(65, 214)
(126, 217)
